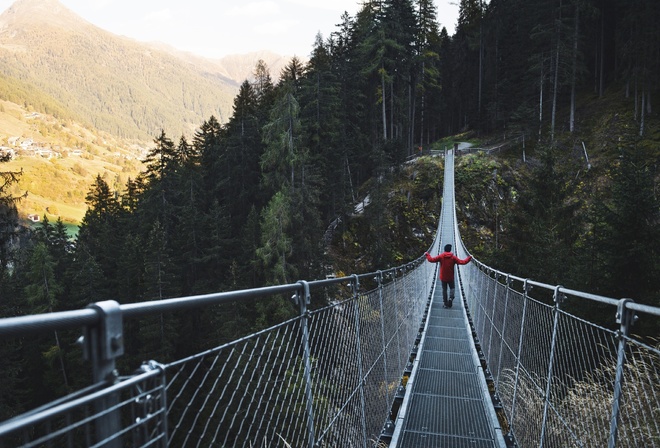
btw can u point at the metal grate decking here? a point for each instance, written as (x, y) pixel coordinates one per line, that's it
(448, 404)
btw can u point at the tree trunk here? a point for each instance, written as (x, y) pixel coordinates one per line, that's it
(643, 114)
(421, 110)
(574, 73)
(541, 98)
(602, 55)
(636, 97)
(481, 56)
(392, 135)
(412, 102)
(61, 358)
(382, 80)
(555, 91)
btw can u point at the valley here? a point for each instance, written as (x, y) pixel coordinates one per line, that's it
(59, 160)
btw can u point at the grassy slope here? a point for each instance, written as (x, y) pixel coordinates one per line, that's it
(57, 187)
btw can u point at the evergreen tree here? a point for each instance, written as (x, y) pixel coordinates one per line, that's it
(214, 221)
(282, 137)
(638, 46)
(276, 247)
(467, 57)
(264, 90)
(443, 120)
(100, 235)
(426, 71)
(631, 243)
(162, 164)
(321, 122)
(354, 123)
(41, 292)
(243, 139)
(400, 24)
(187, 199)
(158, 333)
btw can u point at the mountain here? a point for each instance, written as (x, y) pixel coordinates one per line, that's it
(236, 67)
(112, 83)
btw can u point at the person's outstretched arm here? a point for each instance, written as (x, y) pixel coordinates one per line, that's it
(466, 261)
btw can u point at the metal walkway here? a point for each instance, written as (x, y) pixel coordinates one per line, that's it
(448, 403)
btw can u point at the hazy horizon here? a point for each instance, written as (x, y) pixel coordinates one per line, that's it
(214, 30)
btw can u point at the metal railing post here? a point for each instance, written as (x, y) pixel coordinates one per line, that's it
(506, 306)
(397, 313)
(558, 298)
(379, 279)
(492, 313)
(103, 343)
(358, 342)
(526, 287)
(304, 301)
(484, 309)
(625, 318)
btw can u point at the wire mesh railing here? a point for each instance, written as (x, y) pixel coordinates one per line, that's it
(581, 384)
(324, 378)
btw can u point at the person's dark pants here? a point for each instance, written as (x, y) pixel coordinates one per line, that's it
(451, 285)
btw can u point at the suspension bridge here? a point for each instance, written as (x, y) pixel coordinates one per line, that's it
(383, 366)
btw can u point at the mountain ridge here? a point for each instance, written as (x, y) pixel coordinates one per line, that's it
(50, 12)
(121, 86)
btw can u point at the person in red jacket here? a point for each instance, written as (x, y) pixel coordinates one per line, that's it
(447, 261)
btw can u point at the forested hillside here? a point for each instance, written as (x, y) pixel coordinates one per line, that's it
(566, 86)
(106, 81)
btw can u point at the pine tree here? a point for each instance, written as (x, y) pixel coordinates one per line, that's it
(427, 70)
(264, 89)
(100, 234)
(282, 137)
(244, 146)
(158, 333)
(638, 46)
(208, 142)
(354, 108)
(276, 245)
(321, 123)
(41, 292)
(632, 244)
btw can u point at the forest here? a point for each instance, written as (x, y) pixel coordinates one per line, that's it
(247, 203)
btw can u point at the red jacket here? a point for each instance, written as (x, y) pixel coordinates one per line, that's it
(447, 261)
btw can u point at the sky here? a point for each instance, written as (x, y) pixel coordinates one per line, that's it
(222, 27)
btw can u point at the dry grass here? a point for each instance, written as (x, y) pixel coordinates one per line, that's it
(585, 406)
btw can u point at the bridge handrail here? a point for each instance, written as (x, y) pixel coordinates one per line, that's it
(66, 320)
(629, 303)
